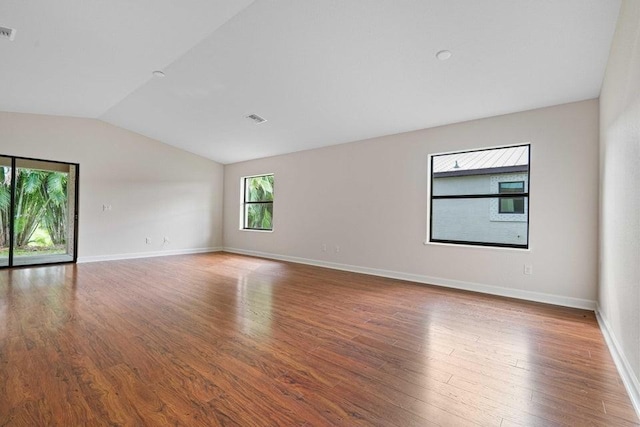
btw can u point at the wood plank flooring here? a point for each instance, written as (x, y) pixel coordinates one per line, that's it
(222, 339)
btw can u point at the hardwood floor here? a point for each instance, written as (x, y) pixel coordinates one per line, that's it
(221, 339)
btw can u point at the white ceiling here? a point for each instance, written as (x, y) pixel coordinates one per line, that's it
(321, 72)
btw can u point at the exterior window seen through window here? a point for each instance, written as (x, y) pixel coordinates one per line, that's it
(510, 205)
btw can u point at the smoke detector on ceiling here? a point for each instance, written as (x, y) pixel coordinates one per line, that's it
(256, 118)
(443, 55)
(7, 33)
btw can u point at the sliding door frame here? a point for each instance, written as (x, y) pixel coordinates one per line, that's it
(76, 198)
(12, 210)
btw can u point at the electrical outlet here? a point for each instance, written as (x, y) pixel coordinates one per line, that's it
(324, 247)
(337, 248)
(147, 240)
(528, 269)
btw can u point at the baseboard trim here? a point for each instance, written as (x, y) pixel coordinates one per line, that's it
(629, 380)
(134, 255)
(437, 281)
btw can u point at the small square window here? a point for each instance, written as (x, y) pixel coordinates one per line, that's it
(511, 205)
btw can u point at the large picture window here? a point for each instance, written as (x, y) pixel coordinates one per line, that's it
(257, 202)
(480, 197)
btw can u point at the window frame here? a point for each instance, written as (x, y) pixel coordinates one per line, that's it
(524, 195)
(244, 203)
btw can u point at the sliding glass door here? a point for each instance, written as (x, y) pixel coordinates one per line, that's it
(38, 208)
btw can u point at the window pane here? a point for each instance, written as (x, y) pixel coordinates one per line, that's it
(259, 188)
(512, 206)
(512, 187)
(466, 173)
(43, 220)
(259, 216)
(506, 205)
(468, 220)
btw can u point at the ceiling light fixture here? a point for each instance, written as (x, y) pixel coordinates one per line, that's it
(443, 55)
(158, 73)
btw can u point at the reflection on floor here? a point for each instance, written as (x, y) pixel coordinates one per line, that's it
(221, 339)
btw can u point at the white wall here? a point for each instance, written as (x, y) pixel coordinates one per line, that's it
(369, 198)
(155, 190)
(619, 288)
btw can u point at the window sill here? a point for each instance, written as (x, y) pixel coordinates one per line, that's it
(460, 245)
(256, 230)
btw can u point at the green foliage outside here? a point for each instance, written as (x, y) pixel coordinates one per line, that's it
(259, 215)
(41, 208)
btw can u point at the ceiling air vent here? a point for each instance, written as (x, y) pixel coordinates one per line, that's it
(256, 118)
(7, 33)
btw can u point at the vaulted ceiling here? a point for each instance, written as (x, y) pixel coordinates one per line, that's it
(321, 72)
